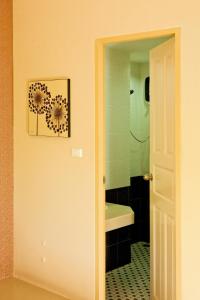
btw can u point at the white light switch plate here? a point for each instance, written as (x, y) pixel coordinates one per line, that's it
(77, 152)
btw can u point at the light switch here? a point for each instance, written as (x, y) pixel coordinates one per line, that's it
(77, 152)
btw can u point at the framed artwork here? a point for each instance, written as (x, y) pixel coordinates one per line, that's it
(49, 107)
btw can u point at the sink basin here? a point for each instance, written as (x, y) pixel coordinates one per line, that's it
(118, 216)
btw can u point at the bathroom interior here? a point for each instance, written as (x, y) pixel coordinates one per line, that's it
(127, 109)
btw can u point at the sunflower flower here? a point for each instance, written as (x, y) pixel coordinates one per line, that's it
(39, 97)
(57, 115)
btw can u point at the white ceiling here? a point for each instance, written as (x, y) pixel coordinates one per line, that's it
(138, 50)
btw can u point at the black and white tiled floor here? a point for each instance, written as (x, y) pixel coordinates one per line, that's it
(132, 281)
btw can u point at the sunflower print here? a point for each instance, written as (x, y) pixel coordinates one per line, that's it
(39, 97)
(57, 115)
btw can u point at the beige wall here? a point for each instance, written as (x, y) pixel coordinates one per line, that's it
(6, 141)
(54, 193)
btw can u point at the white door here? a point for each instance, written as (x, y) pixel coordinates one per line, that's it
(162, 167)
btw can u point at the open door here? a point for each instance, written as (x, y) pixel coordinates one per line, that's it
(162, 168)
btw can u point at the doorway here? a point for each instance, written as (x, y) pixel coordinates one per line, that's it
(101, 145)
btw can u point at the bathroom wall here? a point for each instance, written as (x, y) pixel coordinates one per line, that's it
(139, 120)
(117, 119)
(125, 156)
(6, 141)
(55, 193)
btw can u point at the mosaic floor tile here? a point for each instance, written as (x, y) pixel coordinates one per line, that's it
(132, 281)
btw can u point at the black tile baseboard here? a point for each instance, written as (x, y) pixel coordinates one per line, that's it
(118, 196)
(118, 248)
(137, 197)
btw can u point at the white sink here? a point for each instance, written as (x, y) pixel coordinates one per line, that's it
(118, 216)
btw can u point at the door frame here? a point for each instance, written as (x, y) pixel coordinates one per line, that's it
(100, 242)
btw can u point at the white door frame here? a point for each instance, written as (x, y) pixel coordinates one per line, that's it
(100, 152)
